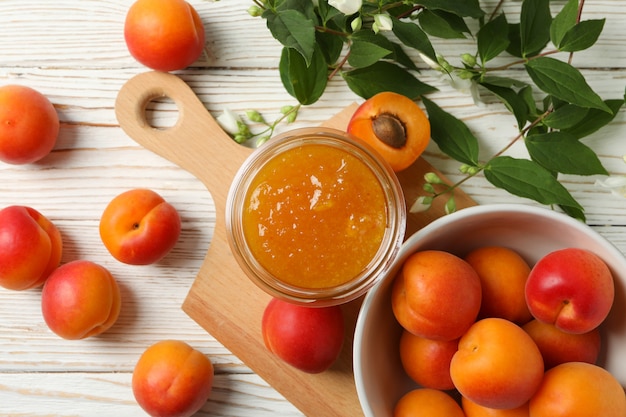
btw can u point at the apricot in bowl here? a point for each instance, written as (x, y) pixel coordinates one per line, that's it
(532, 232)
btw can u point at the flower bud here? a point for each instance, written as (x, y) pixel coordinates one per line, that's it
(450, 206)
(432, 178)
(468, 59)
(356, 24)
(383, 22)
(255, 116)
(255, 11)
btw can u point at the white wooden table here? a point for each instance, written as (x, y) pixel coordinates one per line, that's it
(74, 53)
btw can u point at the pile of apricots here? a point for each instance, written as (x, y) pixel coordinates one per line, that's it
(80, 298)
(510, 339)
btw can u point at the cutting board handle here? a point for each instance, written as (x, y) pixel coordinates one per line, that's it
(194, 142)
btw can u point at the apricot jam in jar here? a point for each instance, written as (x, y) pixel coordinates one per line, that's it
(315, 216)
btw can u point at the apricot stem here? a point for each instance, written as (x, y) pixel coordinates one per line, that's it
(390, 130)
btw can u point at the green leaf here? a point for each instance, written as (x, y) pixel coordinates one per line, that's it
(564, 21)
(492, 39)
(401, 57)
(451, 135)
(304, 82)
(562, 152)
(465, 8)
(442, 25)
(293, 30)
(525, 178)
(414, 37)
(526, 93)
(504, 81)
(582, 36)
(535, 20)
(367, 48)
(515, 41)
(331, 46)
(512, 101)
(575, 212)
(385, 76)
(595, 119)
(563, 81)
(565, 116)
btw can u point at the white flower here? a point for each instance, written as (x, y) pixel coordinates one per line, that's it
(421, 204)
(347, 7)
(382, 21)
(229, 121)
(434, 65)
(616, 184)
(466, 86)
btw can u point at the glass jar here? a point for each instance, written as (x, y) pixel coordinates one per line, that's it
(315, 217)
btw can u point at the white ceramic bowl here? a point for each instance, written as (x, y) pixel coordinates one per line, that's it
(531, 231)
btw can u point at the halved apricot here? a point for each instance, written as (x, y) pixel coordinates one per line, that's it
(394, 125)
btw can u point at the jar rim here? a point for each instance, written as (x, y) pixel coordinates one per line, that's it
(393, 233)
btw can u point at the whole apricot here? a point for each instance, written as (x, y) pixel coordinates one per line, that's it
(578, 389)
(30, 248)
(172, 379)
(436, 295)
(557, 346)
(138, 227)
(29, 125)
(165, 35)
(80, 299)
(427, 361)
(497, 365)
(503, 274)
(394, 125)
(427, 402)
(307, 338)
(571, 288)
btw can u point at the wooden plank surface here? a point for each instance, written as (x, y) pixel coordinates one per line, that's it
(75, 54)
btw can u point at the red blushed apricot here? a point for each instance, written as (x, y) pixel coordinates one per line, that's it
(80, 299)
(394, 125)
(29, 125)
(30, 248)
(164, 35)
(558, 347)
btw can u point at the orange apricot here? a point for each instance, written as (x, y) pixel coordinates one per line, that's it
(503, 274)
(172, 379)
(427, 361)
(497, 365)
(427, 402)
(436, 295)
(29, 125)
(394, 125)
(578, 389)
(164, 35)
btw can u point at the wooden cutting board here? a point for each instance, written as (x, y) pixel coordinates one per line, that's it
(222, 299)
